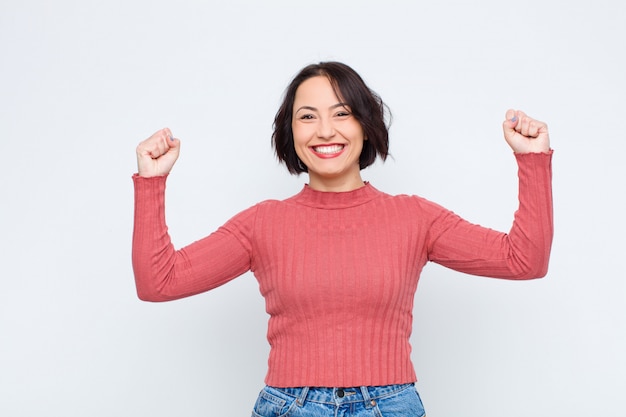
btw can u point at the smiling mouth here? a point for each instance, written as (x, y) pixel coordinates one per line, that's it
(328, 149)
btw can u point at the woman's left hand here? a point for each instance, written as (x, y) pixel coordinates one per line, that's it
(525, 134)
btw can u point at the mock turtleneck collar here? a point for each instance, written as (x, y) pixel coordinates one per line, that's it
(336, 200)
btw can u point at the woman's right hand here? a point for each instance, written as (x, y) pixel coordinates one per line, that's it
(157, 155)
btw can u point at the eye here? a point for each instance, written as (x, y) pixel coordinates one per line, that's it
(306, 116)
(343, 111)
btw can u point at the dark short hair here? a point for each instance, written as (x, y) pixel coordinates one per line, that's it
(366, 106)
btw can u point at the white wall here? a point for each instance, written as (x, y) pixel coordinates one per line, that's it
(83, 82)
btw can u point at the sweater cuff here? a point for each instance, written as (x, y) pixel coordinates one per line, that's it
(522, 154)
(149, 182)
(534, 157)
(149, 189)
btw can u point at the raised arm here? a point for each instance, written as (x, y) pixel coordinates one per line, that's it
(163, 273)
(524, 252)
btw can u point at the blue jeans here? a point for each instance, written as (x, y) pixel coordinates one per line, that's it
(384, 401)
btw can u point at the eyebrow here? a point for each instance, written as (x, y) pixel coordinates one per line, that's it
(334, 106)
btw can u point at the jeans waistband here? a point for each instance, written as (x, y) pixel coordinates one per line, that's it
(367, 395)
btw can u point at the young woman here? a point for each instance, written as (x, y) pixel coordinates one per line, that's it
(339, 262)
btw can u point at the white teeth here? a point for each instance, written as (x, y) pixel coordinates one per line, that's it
(328, 149)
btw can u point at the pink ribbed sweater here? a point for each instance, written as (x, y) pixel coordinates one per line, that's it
(339, 270)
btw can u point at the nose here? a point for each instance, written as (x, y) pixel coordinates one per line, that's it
(325, 128)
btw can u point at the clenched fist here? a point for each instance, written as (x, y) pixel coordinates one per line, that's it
(157, 154)
(525, 134)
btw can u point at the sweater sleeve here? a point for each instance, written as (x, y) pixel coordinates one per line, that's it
(163, 273)
(524, 252)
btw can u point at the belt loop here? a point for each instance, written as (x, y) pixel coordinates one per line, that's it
(302, 396)
(369, 403)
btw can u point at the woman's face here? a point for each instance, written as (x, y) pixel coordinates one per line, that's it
(327, 137)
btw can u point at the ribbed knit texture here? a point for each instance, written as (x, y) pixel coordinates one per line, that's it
(339, 270)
